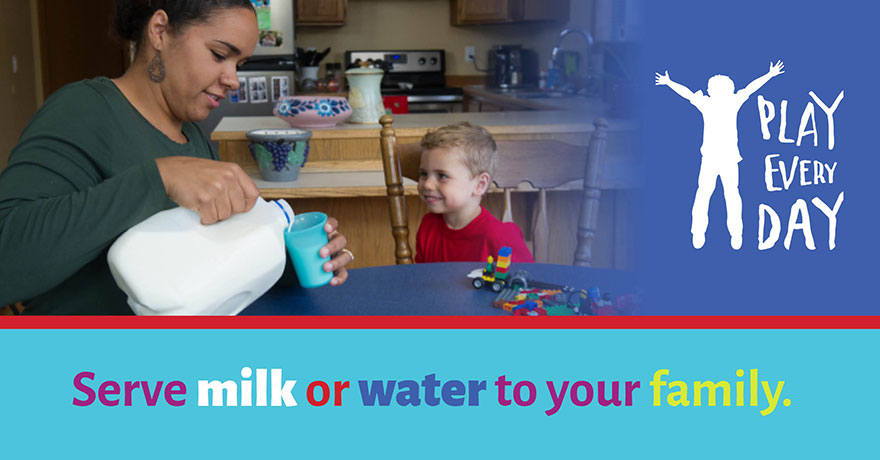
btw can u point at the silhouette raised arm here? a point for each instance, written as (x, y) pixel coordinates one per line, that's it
(775, 69)
(681, 90)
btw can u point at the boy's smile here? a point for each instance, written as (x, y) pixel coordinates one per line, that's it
(447, 186)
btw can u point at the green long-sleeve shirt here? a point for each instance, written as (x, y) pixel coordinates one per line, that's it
(83, 172)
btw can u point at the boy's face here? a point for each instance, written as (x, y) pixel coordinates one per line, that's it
(445, 183)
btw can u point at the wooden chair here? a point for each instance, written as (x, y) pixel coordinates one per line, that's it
(545, 164)
(12, 309)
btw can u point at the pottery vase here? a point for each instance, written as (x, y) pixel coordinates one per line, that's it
(364, 95)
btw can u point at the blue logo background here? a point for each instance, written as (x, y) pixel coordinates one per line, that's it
(824, 51)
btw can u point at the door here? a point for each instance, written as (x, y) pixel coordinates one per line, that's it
(18, 80)
(77, 41)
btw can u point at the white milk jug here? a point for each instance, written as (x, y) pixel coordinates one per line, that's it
(171, 264)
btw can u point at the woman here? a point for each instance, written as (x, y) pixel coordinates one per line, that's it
(102, 155)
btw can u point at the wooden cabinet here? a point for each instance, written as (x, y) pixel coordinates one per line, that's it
(320, 12)
(479, 11)
(472, 12)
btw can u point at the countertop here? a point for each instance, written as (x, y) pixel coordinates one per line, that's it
(416, 124)
(537, 99)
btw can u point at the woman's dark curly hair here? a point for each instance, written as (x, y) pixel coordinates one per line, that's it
(132, 16)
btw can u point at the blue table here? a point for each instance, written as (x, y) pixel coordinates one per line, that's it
(424, 289)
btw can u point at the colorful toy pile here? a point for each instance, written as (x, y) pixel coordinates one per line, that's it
(525, 297)
(495, 276)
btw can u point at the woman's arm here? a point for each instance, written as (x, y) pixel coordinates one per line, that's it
(56, 214)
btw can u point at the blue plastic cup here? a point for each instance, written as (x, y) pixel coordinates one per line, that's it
(304, 239)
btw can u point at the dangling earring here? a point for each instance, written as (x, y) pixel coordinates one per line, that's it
(156, 70)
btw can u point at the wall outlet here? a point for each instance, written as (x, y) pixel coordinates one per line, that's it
(469, 54)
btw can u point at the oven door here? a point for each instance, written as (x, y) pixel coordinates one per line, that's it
(448, 103)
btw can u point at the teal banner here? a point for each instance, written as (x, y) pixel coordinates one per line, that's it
(437, 393)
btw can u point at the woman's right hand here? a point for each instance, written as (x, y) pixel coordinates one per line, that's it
(214, 189)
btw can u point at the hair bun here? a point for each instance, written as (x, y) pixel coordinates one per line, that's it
(131, 18)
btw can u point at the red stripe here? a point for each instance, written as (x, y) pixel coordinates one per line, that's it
(441, 322)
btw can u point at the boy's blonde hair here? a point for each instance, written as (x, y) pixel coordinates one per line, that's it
(475, 143)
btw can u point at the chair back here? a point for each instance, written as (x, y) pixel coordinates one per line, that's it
(544, 164)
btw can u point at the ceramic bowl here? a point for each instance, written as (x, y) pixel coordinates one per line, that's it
(312, 111)
(279, 153)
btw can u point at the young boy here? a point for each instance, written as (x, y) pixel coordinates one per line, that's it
(456, 169)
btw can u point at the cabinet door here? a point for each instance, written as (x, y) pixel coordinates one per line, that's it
(539, 10)
(505, 11)
(320, 12)
(479, 11)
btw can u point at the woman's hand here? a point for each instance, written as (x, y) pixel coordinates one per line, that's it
(340, 256)
(214, 189)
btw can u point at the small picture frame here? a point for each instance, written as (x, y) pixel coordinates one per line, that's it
(280, 88)
(241, 94)
(258, 90)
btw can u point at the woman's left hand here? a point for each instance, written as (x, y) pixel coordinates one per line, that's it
(340, 256)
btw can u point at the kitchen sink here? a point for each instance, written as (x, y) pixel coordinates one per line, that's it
(535, 94)
(541, 95)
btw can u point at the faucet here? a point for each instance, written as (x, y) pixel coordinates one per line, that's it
(587, 37)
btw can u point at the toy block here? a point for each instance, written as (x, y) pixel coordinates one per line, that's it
(558, 310)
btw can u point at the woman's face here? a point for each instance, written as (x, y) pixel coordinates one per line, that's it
(201, 62)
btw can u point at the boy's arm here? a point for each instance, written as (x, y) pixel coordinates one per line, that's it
(775, 69)
(681, 90)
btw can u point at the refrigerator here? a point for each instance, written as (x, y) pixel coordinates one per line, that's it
(269, 74)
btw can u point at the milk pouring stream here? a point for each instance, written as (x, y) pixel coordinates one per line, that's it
(171, 264)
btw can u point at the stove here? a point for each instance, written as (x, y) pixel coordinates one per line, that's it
(417, 75)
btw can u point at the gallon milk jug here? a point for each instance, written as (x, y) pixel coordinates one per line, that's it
(171, 264)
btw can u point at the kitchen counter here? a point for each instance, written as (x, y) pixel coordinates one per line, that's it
(417, 124)
(480, 98)
(343, 176)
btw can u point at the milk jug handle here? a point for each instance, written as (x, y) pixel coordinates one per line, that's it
(286, 210)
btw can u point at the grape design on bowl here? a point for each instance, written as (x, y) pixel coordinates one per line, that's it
(278, 155)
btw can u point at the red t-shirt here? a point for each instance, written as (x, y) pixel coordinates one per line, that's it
(483, 237)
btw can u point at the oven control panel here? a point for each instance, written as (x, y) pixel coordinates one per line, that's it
(402, 61)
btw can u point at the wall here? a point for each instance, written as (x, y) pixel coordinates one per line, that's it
(424, 24)
(18, 90)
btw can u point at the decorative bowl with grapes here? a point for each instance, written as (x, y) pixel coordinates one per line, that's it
(279, 152)
(312, 111)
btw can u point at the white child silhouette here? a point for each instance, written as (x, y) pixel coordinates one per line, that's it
(719, 150)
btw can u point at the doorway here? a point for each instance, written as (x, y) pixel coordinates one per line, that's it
(77, 41)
